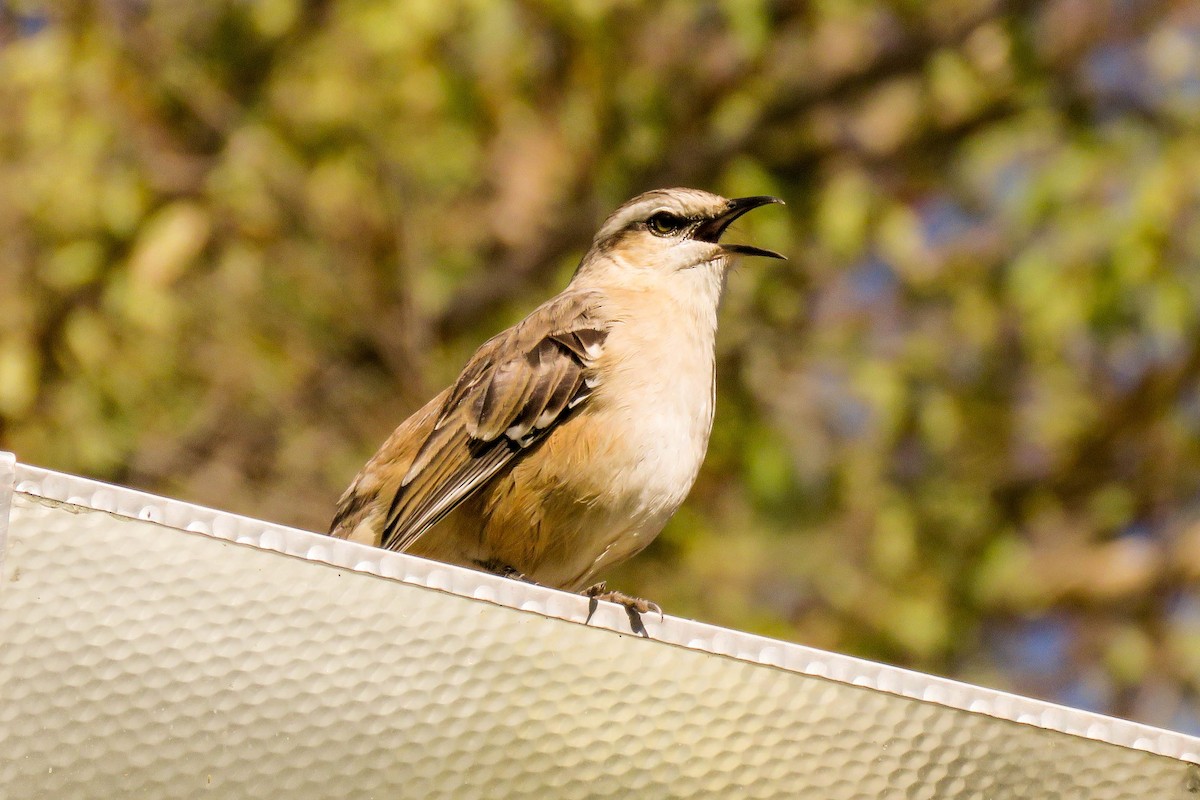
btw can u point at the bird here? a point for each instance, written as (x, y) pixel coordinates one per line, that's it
(569, 439)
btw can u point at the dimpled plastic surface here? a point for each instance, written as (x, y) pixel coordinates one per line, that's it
(8, 477)
(139, 660)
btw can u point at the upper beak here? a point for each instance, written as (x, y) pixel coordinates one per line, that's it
(710, 230)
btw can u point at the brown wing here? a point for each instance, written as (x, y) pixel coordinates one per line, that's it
(359, 516)
(517, 387)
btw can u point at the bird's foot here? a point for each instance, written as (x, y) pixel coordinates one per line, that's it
(504, 571)
(634, 606)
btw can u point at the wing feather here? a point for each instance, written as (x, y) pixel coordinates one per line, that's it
(434, 494)
(503, 398)
(550, 371)
(515, 390)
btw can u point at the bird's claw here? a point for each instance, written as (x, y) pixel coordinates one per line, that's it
(634, 606)
(505, 571)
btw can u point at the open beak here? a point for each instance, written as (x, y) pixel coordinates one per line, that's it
(711, 229)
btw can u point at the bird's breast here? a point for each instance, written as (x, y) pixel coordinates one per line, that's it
(656, 398)
(601, 486)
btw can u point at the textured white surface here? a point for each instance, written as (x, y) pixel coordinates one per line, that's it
(140, 660)
(8, 464)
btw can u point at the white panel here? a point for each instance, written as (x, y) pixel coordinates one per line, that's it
(8, 464)
(137, 659)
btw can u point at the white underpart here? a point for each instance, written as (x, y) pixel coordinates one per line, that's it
(660, 405)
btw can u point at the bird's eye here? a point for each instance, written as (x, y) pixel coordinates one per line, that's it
(665, 223)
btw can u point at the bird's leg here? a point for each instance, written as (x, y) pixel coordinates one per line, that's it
(638, 604)
(634, 606)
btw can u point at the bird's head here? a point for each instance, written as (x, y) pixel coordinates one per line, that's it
(668, 230)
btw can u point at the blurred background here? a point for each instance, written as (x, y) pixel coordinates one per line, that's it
(958, 431)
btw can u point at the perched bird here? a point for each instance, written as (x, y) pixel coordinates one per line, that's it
(570, 438)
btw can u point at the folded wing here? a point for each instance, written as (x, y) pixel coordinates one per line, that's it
(515, 390)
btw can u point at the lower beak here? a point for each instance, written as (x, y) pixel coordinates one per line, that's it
(711, 229)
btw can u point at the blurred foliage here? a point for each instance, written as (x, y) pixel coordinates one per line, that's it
(958, 431)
